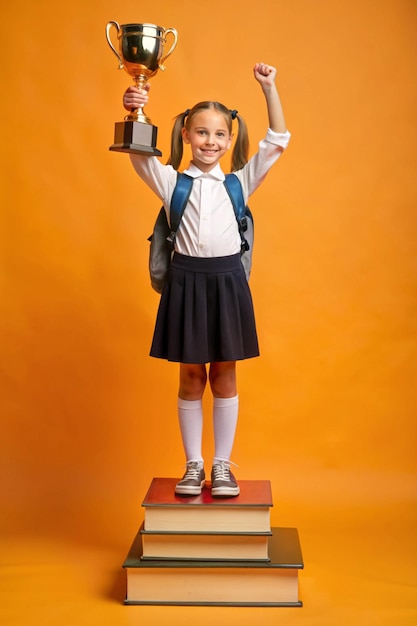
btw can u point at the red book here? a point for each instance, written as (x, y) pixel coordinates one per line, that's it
(249, 512)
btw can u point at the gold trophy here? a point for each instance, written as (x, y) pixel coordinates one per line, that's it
(141, 54)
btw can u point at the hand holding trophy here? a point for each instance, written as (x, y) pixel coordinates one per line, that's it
(141, 54)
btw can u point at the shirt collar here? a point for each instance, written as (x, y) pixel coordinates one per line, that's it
(193, 171)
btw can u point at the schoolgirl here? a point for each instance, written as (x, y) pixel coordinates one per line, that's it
(205, 320)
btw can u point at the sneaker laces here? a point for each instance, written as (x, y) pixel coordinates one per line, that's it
(221, 470)
(193, 470)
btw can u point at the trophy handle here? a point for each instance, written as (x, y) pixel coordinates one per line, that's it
(172, 48)
(108, 28)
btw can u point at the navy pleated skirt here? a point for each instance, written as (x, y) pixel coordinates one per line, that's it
(206, 312)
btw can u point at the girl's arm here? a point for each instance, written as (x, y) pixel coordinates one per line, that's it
(160, 178)
(265, 75)
(275, 142)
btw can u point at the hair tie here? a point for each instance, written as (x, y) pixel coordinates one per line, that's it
(184, 115)
(233, 114)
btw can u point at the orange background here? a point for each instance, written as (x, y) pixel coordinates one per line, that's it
(327, 412)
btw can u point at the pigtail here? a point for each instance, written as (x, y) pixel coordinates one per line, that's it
(177, 146)
(240, 153)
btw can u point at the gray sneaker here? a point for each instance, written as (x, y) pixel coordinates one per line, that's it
(193, 481)
(223, 483)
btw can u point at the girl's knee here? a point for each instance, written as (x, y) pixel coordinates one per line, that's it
(193, 379)
(223, 379)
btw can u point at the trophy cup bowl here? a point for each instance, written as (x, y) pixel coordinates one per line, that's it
(141, 54)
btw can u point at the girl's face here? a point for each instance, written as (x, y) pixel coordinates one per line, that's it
(209, 138)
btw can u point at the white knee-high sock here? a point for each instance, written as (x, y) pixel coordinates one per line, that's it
(190, 413)
(225, 414)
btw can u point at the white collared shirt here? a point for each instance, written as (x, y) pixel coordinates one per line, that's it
(208, 227)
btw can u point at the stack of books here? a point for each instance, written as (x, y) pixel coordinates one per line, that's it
(204, 551)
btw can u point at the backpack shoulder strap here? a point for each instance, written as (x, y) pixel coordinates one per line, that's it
(234, 189)
(179, 201)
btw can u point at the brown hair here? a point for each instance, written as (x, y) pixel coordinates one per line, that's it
(241, 148)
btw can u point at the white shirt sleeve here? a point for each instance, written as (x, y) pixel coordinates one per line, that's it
(269, 150)
(158, 177)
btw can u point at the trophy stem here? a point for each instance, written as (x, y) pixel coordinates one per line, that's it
(138, 115)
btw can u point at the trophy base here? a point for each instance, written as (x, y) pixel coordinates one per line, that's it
(135, 138)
